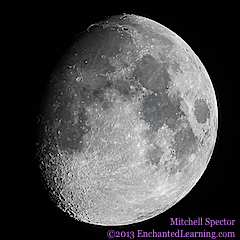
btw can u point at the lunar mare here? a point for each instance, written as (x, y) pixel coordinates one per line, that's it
(128, 122)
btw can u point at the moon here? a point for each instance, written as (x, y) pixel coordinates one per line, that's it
(128, 122)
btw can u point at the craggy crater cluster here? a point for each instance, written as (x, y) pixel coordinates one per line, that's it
(126, 113)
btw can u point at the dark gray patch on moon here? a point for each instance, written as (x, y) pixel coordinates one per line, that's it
(201, 111)
(158, 109)
(123, 88)
(154, 156)
(185, 141)
(155, 77)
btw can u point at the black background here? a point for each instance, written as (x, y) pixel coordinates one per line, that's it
(39, 35)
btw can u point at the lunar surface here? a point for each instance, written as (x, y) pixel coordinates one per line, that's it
(128, 122)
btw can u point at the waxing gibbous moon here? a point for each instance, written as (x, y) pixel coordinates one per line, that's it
(128, 122)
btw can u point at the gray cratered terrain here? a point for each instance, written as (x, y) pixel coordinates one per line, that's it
(128, 122)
